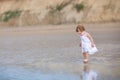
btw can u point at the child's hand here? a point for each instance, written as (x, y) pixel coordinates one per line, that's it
(80, 44)
(92, 45)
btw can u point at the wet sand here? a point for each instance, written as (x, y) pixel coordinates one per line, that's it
(52, 52)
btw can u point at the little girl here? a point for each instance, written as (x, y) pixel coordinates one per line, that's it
(87, 43)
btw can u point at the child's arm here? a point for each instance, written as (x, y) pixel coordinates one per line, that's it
(91, 39)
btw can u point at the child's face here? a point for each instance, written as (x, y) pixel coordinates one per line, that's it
(80, 32)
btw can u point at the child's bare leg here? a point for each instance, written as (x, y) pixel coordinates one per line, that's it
(86, 56)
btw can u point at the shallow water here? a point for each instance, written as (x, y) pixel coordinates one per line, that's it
(86, 73)
(17, 73)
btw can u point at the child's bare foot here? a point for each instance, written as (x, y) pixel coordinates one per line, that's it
(85, 61)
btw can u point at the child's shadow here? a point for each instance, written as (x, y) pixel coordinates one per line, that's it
(88, 74)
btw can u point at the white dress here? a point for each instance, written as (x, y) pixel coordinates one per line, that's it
(86, 45)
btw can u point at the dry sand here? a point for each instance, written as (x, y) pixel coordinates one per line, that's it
(52, 51)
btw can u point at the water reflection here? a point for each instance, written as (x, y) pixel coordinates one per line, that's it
(88, 74)
(20, 73)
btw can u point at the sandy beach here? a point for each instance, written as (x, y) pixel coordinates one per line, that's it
(52, 52)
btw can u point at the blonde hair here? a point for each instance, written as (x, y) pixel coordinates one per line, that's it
(80, 27)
